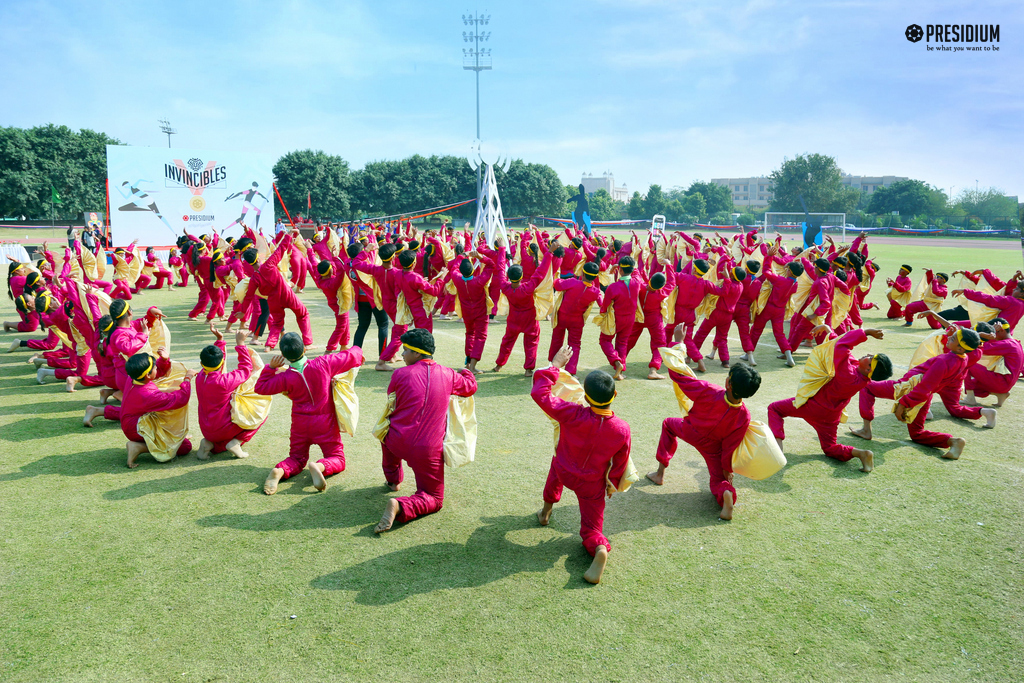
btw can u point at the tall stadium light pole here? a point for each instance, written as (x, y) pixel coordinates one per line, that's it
(165, 127)
(477, 59)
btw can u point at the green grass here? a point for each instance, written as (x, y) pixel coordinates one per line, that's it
(186, 572)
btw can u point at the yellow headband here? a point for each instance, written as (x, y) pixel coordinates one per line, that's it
(46, 298)
(413, 348)
(215, 368)
(122, 314)
(747, 268)
(107, 327)
(146, 373)
(874, 363)
(960, 339)
(700, 273)
(903, 269)
(595, 403)
(516, 279)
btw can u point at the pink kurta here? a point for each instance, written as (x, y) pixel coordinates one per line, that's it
(417, 431)
(587, 444)
(214, 391)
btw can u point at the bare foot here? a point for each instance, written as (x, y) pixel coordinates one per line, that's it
(593, 575)
(497, 368)
(658, 475)
(69, 384)
(653, 374)
(864, 432)
(867, 459)
(105, 393)
(727, 503)
(316, 471)
(725, 363)
(91, 413)
(273, 479)
(990, 417)
(33, 359)
(235, 448)
(544, 514)
(135, 449)
(204, 450)
(956, 448)
(382, 366)
(393, 487)
(701, 367)
(528, 373)
(388, 519)
(1001, 399)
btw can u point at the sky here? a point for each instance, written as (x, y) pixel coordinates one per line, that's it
(655, 92)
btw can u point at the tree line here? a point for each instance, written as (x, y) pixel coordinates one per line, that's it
(53, 169)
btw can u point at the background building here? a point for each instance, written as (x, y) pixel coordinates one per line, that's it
(606, 182)
(752, 193)
(749, 193)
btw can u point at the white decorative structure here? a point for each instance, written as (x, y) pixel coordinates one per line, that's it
(489, 219)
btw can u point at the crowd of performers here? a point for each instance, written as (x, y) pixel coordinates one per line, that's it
(683, 288)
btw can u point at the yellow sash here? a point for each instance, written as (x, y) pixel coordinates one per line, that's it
(248, 409)
(460, 433)
(675, 360)
(346, 403)
(758, 455)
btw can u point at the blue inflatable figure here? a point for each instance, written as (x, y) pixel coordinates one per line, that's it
(811, 231)
(581, 215)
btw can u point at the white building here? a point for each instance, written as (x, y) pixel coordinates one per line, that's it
(752, 193)
(606, 182)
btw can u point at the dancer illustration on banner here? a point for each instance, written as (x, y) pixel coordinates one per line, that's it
(248, 204)
(138, 200)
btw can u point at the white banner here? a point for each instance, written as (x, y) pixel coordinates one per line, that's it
(156, 194)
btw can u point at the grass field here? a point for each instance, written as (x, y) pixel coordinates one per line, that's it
(186, 572)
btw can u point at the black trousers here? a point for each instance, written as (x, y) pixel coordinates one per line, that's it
(380, 316)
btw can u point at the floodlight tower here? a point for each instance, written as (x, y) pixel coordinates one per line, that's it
(476, 58)
(165, 127)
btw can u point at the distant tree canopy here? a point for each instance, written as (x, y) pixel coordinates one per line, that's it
(320, 177)
(392, 187)
(34, 160)
(909, 198)
(818, 179)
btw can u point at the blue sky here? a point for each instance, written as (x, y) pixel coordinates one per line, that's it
(656, 92)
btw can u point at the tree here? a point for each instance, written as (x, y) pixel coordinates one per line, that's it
(635, 209)
(530, 190)
(655, 202)
(818, 179)
(746, 219)
(717, 198)
(695, 205)
(909, 198)
(33, 160)
(604, 208)
(321, 176)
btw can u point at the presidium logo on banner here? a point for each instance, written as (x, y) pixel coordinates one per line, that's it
(966, 35)
(196, 177)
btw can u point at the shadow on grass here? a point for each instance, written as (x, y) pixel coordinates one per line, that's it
(81, 464)
(31, 429)
(337, 508)
(486, 557)
(201, 477)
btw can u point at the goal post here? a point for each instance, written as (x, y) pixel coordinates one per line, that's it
(781, 220)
